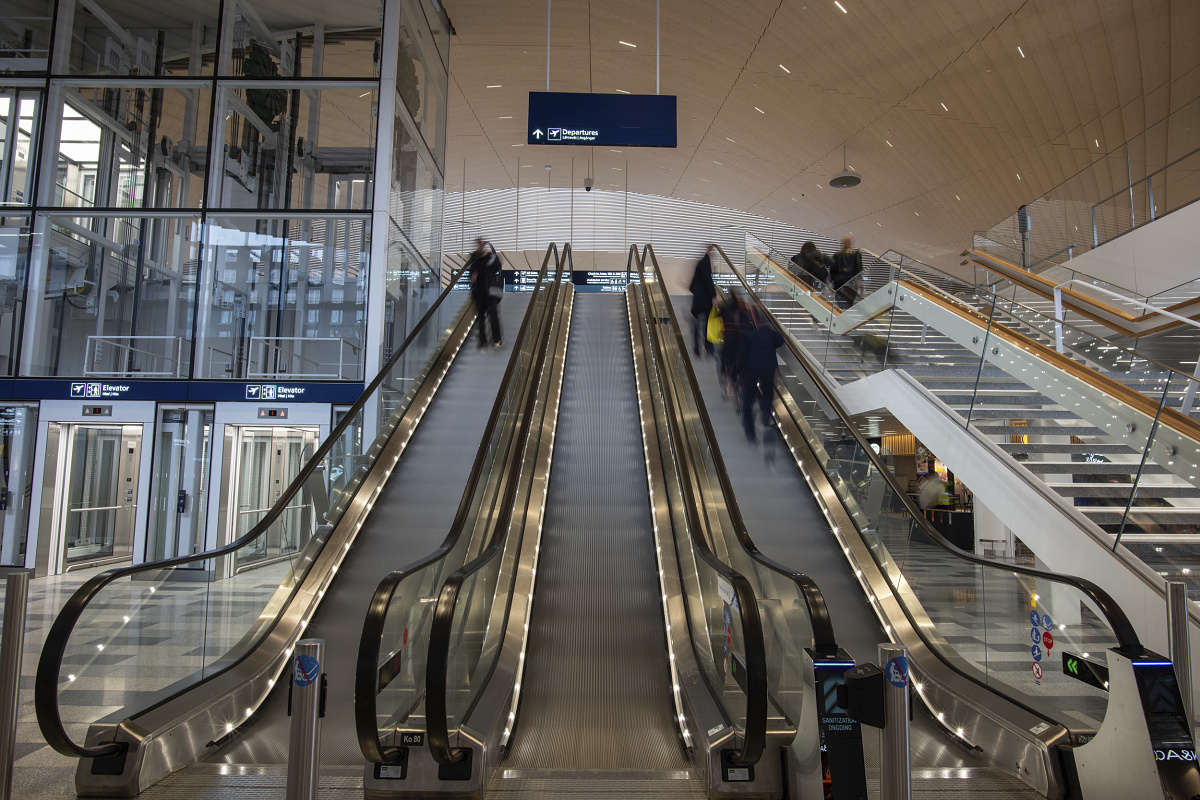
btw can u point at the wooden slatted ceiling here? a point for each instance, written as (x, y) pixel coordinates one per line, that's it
(1092, 70)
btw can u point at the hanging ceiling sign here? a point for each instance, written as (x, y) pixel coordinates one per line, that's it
(613, 120)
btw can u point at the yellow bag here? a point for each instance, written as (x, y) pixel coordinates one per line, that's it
(716, 328)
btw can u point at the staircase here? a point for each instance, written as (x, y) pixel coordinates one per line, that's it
(1069, 454)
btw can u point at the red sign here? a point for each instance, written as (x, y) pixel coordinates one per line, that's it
(1047, 640)
(1037, 671)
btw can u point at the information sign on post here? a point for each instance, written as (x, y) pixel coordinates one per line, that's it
(610, 120)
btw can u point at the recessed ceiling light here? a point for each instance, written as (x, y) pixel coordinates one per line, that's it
(918, 213)
(628, 44)
(522, 144)
(506, 118)
(880, 224)
(526, 166)
(759, 110)
(1018, 176)
(729, 140)
(364, 94)
(889, 144)
(495, 86)
(621, 91)
(785, 69)
(842, 7)
(956, 197)
(1019, 50)
(1097, 143)
(718, 163)
(794, 200)
(615, 151)
(944, 107)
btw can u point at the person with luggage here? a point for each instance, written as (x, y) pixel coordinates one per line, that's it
(487, 288)
(704, 300)
(733, 317)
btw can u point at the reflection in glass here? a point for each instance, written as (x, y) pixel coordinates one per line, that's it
(18, 125)
(118, 298)
(288, 146)
(284, 298)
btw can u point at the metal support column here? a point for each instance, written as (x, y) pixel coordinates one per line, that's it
(16, 594)
(306, 706)
(1177, 635)
(895, 778)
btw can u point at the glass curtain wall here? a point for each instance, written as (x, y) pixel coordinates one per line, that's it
(205, 198)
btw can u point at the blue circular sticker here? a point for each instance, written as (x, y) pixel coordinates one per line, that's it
(307, 670)
(1037, 652)
(1036, 635)
(1046, 623)
(1035, 619)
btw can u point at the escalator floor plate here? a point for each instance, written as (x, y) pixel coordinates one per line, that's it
(596, 785)
(223, 782)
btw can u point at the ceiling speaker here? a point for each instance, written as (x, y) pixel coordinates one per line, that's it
(846, 179)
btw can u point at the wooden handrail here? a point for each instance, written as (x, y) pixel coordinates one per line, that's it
(1167, 417)
(1122, 322)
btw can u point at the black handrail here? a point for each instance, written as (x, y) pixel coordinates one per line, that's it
(824, 640)
(49, 669)
(1127, 638)
(755, 732)
(367, 669)
(437, 721)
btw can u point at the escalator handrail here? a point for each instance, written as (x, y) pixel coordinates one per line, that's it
(824, 639)
(437, 682)
(1126, 635)
(367, 668)
(49, 669)
(755, 732)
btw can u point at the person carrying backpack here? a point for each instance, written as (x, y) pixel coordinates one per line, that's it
(487, 288)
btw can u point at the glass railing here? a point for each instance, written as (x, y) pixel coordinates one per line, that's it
(715, 548)
(390, 688)
(232, 609)
(1149, 176)
(967, 609)
(1130, 420)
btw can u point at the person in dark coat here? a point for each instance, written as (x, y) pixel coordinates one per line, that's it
(733, 316)
(757, 361)
(704, 300)
(487, 287)
(813, 266)
(847, 266)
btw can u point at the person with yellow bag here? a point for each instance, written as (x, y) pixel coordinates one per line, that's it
(704, 302)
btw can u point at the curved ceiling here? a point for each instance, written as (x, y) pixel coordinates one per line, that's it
(954, 111)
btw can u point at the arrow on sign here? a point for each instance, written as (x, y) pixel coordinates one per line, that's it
(538, 133)
(1073, 666)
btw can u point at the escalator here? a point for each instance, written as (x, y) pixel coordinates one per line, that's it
(594, 638)
(155, 674)
(997, 686)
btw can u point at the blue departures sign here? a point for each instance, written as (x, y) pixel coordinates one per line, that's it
(613, 120)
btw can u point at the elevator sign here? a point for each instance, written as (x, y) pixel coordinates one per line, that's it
(95, 389)
(611, 120)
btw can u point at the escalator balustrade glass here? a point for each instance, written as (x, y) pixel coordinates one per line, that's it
(390, 689)
(126, 622)
(1002, 624)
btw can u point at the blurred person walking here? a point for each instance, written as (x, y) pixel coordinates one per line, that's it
(757, 361)
(845, 270)
(487, 288)
(704, 300)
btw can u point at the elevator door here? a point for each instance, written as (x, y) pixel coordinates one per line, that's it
(96, 492)
(180, 491)
(260, 462)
